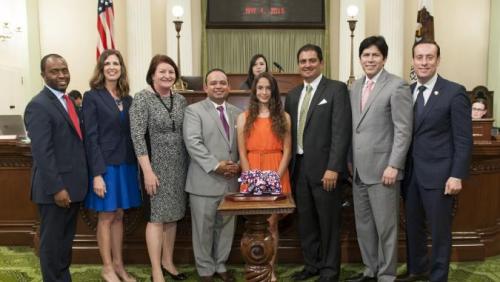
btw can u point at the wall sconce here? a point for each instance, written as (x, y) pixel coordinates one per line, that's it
(352, 13)
(6, 32)
(178, 12)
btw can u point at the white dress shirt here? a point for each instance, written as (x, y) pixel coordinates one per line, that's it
(314, 84)
(60, 97)
(429, 86)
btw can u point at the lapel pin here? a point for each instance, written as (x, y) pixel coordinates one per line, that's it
(436, 93)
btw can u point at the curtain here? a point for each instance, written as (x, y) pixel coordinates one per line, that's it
(232, 49)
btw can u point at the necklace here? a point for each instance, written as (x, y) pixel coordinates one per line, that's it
(168, 108)
(118, 102)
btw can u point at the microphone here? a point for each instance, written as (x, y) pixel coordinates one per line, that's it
(280, 68)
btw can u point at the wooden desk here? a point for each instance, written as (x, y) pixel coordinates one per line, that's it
(18, 215)
(286, 81)
(481, 130)
(257, 243)
(475, 231)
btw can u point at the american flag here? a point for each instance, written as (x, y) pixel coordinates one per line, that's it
(105, 18)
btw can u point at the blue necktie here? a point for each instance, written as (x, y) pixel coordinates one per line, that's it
(420, 103)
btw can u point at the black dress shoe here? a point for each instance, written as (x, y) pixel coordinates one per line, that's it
(361, 278)
(413, 277)
(206, 279)
(225, 276)
(303, 275)
(327, 279)
(178, 276)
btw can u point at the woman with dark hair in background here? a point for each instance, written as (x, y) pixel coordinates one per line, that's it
(112, 164)
(258, 65)
(264, 139)
(158, 112)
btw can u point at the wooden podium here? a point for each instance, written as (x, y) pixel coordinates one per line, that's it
(475, 231)
(481, 130)
(257, 243)
(286, 81)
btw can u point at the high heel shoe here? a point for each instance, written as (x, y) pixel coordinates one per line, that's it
(178, 276)
(126, 277)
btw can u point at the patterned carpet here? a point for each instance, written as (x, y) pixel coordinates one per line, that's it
(19, 264)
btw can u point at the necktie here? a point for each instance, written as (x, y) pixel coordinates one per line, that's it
(223, 120)
(304, 108)
(73, 116)
(420, 102)
(366, 92)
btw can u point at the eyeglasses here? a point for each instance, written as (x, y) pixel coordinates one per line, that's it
(477, 109)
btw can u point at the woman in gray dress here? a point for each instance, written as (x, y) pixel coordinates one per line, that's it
(156, 114)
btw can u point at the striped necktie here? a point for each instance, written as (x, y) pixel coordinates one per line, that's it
(223, 120)
(304, 108)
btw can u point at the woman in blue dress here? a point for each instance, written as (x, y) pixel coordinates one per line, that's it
(112, 163)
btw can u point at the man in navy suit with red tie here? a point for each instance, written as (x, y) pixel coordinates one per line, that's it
(59, 181)
(437, 163)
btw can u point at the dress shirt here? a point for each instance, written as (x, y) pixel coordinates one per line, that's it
(225, 112)
(374, 79)
(314, 84)
(60, 97)
(429, 86)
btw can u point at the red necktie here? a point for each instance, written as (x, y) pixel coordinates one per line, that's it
(72, 115)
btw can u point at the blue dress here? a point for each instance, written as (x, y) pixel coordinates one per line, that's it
(122, 188)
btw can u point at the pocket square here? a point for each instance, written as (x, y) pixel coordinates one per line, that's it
(322, 102)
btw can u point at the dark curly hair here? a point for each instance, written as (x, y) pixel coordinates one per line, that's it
(276, 112)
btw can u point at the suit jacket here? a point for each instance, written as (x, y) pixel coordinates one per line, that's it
(442, 136)
(382, 131)
(207, 144)
(58, 152)
(107, 138)
(327, 132)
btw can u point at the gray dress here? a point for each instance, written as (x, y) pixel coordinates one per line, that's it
(168, 156)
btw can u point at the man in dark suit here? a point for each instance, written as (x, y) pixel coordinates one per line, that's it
(59, 181)
(321, 133)
(437, 163)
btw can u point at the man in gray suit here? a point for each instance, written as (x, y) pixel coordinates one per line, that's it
(382, 120)
(210, 138)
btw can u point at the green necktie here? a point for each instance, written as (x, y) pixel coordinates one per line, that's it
(303, 115)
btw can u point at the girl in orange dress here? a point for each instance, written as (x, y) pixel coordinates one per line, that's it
(264, 139)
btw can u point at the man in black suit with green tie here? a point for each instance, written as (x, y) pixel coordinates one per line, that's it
(321, 132)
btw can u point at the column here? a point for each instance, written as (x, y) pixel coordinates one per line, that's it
(139, 45)
(494, 58)
(391, 27)
(345, 39)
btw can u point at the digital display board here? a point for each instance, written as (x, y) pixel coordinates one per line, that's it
(265, 14)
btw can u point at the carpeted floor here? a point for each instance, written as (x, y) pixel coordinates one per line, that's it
(19, 264)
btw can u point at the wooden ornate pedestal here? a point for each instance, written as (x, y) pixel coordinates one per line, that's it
(257, 243)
